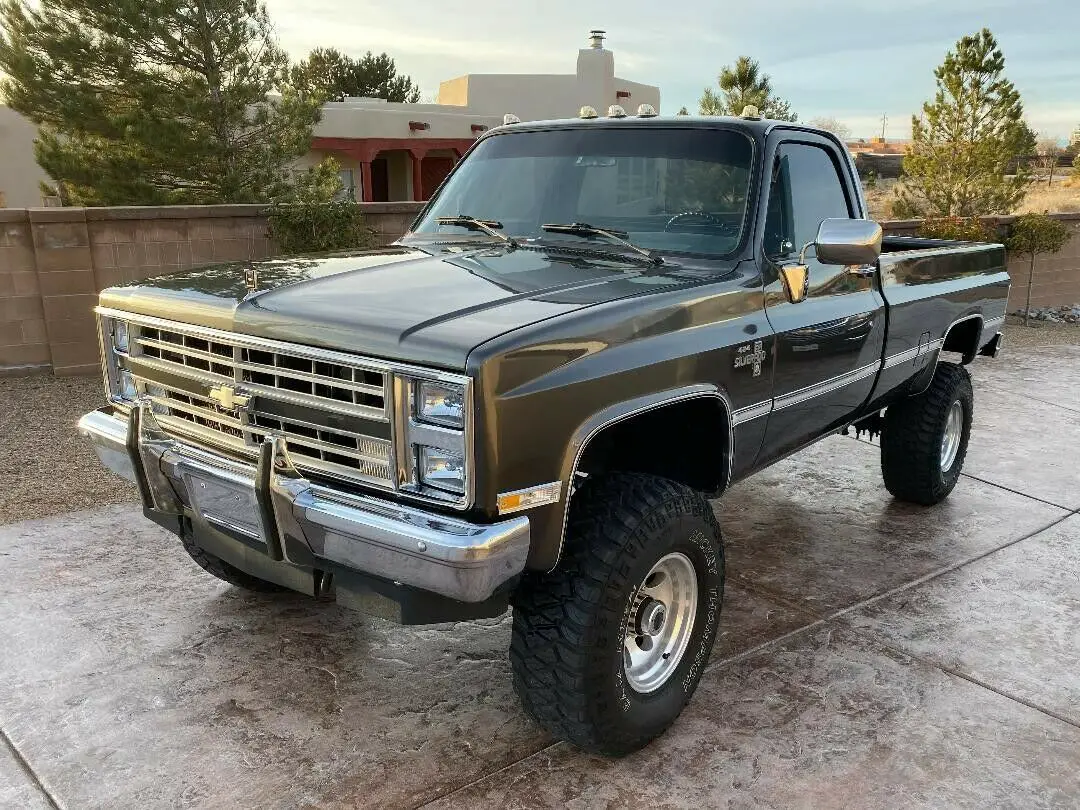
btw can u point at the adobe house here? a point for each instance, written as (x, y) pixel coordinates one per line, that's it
(397, 152)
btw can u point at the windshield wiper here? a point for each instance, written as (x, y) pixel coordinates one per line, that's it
(489, 226)
(584, 229)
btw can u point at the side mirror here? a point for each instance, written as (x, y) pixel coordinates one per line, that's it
(848, 241)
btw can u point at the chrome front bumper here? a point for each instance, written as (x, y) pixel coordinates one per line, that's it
(302, 523)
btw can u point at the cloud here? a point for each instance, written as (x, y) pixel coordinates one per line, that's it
(851, 60)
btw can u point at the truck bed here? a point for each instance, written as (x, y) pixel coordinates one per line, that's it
(940, 295)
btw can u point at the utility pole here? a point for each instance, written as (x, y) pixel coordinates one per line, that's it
(884, 121)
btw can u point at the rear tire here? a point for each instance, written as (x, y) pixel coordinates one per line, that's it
(608, 648)
(228, 573)
(925, 438)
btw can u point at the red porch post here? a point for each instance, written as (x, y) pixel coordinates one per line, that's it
(367, 190)
(417, 173)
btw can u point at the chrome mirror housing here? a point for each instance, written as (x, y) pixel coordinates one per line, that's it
(848, 242)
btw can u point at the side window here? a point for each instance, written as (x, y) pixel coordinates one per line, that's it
(805, 190)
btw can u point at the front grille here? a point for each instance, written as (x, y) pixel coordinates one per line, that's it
(326, 406)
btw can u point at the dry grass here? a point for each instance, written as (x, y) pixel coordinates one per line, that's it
(1063, 197)
(1039, 333)
(879, 199)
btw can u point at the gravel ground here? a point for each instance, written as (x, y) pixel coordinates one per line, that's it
(45, 467)
(1039, 333)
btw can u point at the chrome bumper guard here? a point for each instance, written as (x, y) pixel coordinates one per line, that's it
(272, 504)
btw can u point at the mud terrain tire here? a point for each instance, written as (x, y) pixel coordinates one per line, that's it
(915, 436)
(570, 634)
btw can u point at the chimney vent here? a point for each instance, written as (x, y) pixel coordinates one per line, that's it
(596, 39)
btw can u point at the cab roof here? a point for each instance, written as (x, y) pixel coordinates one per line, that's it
(755, 127)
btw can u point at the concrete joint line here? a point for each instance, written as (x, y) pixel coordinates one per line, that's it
(946, 570)
(29, 771)
(1024, 395)
(965, 677)
(483, 776)
(1017, 492)
(876, 598)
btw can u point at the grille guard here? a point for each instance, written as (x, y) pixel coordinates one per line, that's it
(301, 521)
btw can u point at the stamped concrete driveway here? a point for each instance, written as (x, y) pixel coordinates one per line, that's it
(872, 654)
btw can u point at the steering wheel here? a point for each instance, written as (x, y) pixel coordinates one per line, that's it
(704, 216)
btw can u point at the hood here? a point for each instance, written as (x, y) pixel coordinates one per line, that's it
(427, 305)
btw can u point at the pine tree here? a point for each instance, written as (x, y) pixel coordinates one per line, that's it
(335, 76)
(967, 138)
(154, 101)
(742, 85)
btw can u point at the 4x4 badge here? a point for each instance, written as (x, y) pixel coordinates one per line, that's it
(750, 356)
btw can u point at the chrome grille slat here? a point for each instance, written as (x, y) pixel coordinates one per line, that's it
(361, 388)
(210, 357)
(278, 375)
(205, 413)
(375, 447)
(331, 447)
(307, 400)
(183, 371)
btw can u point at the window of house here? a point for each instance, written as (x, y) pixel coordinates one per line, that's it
(348, 185)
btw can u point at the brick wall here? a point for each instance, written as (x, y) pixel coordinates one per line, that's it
(53, 262)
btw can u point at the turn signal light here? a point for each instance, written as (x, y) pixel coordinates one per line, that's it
(520, 499)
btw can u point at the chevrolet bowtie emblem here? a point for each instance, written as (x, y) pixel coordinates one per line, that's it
(228, 397)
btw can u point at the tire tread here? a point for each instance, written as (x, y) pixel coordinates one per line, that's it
(557, 615)
(911, 439)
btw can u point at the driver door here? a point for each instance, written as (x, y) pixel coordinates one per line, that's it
(828, 346)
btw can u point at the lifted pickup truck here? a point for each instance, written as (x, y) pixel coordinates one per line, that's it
(593, 327)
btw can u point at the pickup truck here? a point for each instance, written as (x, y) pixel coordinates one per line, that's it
(594, 326)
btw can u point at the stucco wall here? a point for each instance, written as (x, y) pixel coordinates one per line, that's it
(542, 96)
(20, 176)
(361, 120)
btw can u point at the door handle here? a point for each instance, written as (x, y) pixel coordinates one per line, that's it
(863, 271)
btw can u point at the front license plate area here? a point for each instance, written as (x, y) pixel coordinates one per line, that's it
(225, 504)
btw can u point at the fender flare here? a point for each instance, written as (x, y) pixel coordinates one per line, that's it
(621, 411)
(921, 384)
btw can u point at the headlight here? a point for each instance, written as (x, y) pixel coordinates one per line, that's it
(128, 390)
(442, 469)
(156, 392)
(120, 336)
(440, 404)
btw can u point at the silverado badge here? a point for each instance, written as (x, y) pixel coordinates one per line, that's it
(229, 398)
(750, 356)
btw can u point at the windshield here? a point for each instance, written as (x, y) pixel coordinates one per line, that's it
(667, 189)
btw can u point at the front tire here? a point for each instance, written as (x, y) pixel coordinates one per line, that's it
(925, 438)
(608, 648)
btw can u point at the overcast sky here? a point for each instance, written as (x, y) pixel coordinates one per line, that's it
(854, 61)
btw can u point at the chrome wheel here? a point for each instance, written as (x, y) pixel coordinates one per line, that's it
(660, 623)
(954, 431)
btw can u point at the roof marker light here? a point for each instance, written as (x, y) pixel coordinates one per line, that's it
(646, 111)
(751, 112)
(587, 112)
(510, 118)
(616, 111)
